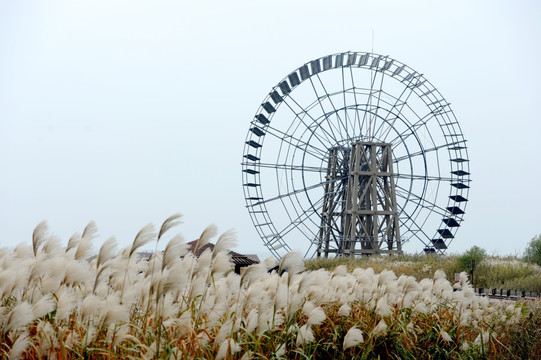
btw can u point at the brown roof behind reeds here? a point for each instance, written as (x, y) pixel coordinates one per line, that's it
(236, 258)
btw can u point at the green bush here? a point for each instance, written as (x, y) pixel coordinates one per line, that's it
(471, 258)
(532, 253)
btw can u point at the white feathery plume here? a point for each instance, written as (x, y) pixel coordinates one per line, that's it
(90, 231)
(38, 236)
(463, 280)
(43, 306)
(169, 223)
(73, 241)
(445, 336)
(420, 308)
(72, 340)
(308, 279)
(228, 346)
(440, 274)
(468, 293)
(85, 245)
(222, 264)
(122, 333)
(203, 263)
(482, 338)
(169, 309)
(340, 270)
(425, 284)
(281, 294)
(114, 313)
(77, 272)
(225, 242)
(410, 327)
(248, 355)
(207, 234)
(252, 320)
(224, 332)
(46, 335)
(175, 248)
(253, 272)
(344, 310)
(19, 346)
(353, 337)
(280, 350)
(293, 262)
(52, 246)
(383, 309)
(305, 335)
(176, 279)
(91, 306)
(380, 329)
(270, 262)
(296, 300)
(143, 237)
(386, 277)
(266, 314)
(316, 317)
(307, 308)
(107, 251)
(66, 303)
(22, 251)
(89, 336)
(20, 315)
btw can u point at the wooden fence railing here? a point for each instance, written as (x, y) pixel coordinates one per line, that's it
(508, 293)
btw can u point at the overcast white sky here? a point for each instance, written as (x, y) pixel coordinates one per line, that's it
(125, 112)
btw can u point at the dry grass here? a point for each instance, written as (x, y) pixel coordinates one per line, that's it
(56, 303)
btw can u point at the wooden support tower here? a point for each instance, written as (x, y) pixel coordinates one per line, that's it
(359, 211)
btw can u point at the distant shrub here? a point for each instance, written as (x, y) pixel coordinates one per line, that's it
(532, 253)
(471, 258)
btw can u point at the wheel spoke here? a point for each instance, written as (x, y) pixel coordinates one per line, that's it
(294, 192)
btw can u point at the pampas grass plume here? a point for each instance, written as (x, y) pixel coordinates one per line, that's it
(52, 246)
(227, 346)
(225, 242)
(207, 234)
(73, 241)
(107, 251)
(222, 264)
(175, 248)
(383, 309)
(83, 248)
(143, 237)
(445, 336)
(43, 306)
(38, 236)
(92, 306)
(20, 315)
(114, 313)
(344, 310)
(170, 222)
(380, 329)
(293, 262)
(316, 317)
(305, 335)
(19, 346)
(66, 302)
(353, 338)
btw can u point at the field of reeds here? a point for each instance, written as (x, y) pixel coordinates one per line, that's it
(64, 302)
(508, 272)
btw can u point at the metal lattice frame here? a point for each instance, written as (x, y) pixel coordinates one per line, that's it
(331, 103)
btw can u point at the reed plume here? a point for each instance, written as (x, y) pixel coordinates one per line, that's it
(38, 236)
